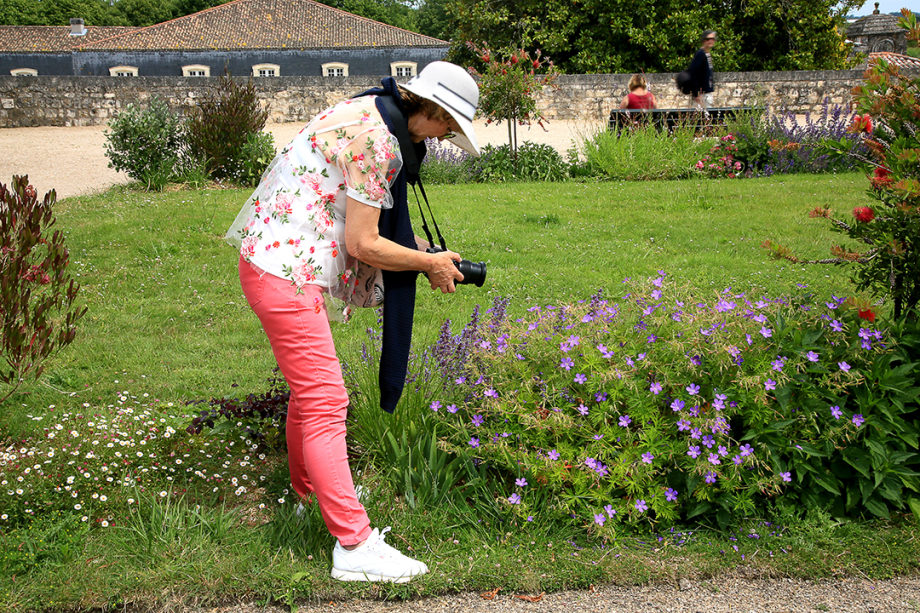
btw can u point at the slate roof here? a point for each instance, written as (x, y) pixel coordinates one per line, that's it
(266, 24)
(874, 24)
(52, 39)
(901, 61)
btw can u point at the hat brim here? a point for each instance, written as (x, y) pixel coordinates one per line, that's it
(466, 140)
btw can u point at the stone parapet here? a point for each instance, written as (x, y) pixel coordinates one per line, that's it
(84, 101)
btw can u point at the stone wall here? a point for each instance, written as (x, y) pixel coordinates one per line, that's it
(83, 101)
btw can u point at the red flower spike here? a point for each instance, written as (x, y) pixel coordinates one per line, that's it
(863, 214)
(867, 314)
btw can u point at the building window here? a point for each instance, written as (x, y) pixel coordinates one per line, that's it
(123, 71)
(403, 69)
(335, 69)
(266, 70)
(24, 72)
(196, 70)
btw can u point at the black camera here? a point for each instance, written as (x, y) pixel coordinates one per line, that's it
(472, 272)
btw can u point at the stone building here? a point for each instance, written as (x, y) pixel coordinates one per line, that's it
(259, 38)
(877, 33)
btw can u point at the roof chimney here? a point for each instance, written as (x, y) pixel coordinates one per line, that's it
(76, 27)
(875, 12)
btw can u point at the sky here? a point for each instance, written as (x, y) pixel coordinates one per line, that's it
(887, 6)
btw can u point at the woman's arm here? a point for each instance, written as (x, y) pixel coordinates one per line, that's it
(365, 243)
(625, 102)
(654, 102)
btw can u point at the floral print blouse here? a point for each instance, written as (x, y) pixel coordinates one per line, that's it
(293, 225)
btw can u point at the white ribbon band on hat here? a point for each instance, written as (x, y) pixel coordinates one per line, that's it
(455, 101)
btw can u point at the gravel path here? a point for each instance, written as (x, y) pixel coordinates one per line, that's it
(725, 595)
(72, 160)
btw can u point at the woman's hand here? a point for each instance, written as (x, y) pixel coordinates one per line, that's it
(442, 273)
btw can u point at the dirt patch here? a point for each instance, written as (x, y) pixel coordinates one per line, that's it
(72, 160)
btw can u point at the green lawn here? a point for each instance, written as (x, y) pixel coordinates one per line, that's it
(167, 319)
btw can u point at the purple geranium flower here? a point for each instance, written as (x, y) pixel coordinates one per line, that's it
(682, 425)
(625, 420)
(514, 498)
(474, 442)
(812, 356)
(844, 366)
(710, 477)
(694, 451)
(582, 409)
(858, 420)
(491, 393)
(553, 455)
(566, 363)
(610, 511)
(670, 494)
(641, 506)
(522, 482)
(655, 388)
(769, 384)
(435, 405)
(836, 326)
(647, 457)
(599, 519)
(746, 450)
(693, 389)
(452, 408)
(836, 412)
(787, 477)
(478, 421)
(580, 378)
(677, 405)
(766, 332)
(714, 459)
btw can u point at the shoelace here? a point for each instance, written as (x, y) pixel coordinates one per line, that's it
(381, 545)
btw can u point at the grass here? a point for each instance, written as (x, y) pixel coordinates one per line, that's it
(167, 319)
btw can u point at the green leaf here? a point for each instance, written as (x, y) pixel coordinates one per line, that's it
(827, 482)
(914, 504)
(877, 508)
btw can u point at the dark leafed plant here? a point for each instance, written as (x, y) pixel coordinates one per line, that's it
(37, 295)
(261, 417)
(219, 128)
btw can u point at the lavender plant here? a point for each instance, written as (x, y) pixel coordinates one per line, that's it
(777, 142)
(445, 164)
(662, 406)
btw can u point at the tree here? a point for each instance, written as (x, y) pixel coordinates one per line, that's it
(434, 20)
(19, 12)
(507, 87)
(60, 12)
(390, 12)
(142, 13)
(622, 36)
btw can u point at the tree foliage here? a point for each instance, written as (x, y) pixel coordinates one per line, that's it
(622, 36)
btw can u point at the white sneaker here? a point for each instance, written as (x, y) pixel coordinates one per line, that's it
(374, 561)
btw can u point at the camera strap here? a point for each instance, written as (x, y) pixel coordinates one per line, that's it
(412, 165)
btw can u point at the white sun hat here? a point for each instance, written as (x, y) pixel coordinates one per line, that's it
(453, 89)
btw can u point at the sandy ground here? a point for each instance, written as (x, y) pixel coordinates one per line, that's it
(72, 160)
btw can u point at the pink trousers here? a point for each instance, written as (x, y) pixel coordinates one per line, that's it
(301, 340)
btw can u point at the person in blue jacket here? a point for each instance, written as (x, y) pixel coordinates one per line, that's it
(701, 69)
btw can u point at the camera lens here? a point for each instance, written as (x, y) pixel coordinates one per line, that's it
(472, 272)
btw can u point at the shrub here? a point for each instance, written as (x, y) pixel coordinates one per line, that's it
(535, 162)
(644, 154)
(147, 144)
(720, 162)
(220, 127)
(37, 294)
(663, 406)
(889, 139)
(257, 153)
